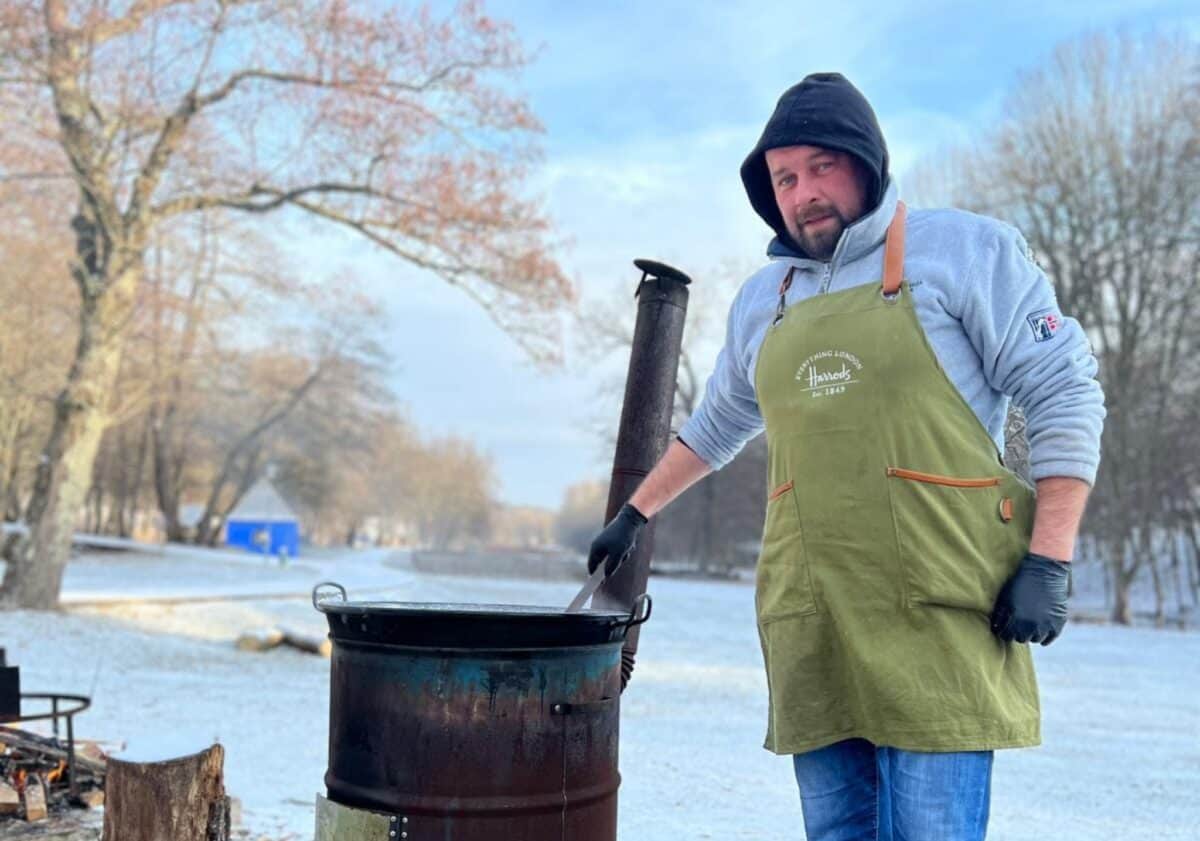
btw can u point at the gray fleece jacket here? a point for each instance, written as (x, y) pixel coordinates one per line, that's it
(988, 311)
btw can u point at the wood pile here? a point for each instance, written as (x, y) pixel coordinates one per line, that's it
(35, 785)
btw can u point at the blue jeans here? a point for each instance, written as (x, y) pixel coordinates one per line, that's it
(855, 791)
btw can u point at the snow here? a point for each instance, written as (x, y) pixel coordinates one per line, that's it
(1121, 752)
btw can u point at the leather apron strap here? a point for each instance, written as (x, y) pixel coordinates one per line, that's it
(893, 253)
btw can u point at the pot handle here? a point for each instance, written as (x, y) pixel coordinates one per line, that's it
(634, 620)
(584, 708)
(317, 602)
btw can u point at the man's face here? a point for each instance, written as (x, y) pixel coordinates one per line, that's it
(820, 192)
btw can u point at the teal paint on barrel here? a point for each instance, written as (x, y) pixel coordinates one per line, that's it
(473, 722)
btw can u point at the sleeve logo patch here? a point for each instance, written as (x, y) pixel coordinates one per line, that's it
(1045, 324)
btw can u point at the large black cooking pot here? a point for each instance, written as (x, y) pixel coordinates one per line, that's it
(476, 721)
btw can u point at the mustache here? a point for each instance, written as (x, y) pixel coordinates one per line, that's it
(816, 213)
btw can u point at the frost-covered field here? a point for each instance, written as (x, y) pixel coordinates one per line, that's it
(1121, 753)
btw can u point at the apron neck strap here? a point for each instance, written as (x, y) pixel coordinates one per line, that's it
(893, 252)
(784, 286)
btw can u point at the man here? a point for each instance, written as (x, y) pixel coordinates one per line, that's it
(904, 569)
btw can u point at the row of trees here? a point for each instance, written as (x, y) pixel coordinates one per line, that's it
(1097, 162)
(130, 123)
(231, 365)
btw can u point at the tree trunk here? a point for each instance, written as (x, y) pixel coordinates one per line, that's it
(11, 452)
(1178, 560)
(98, 514)
(1108, 567)
(168, 470)
(1193, 567)
(212, 521)
(1151, 554)
(1122, 579)
(130, 507)
(36, 562)
(34, 575)
(178, 799)
(118, 475)
(89, 505)
(1120, 611)
(12, 491)
(1160, 614)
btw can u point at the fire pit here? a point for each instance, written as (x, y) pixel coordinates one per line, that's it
(472, 721)
(48, 775)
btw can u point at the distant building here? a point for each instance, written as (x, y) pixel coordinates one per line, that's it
(262, 522)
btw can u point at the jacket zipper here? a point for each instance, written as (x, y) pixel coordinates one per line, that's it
(949, 481)
(827, 277)
(827, 280)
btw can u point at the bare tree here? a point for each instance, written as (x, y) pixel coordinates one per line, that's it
(1097, 161)
(343, 460)
(453, 493)
(385, 123)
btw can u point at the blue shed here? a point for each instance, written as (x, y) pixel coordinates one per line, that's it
(262, 522)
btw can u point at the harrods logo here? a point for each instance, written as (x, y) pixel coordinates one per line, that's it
(828, 373)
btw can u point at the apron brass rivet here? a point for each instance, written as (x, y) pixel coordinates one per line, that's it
(1006, 509)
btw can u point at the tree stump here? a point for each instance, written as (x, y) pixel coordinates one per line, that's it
(174, 800)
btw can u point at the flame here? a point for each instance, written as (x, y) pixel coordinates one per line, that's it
(20, 777)
(57, 772)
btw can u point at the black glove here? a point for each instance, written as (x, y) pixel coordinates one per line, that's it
(1032, 605)
(617, 540)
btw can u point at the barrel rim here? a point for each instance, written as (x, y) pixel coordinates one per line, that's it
(479, 652)
(465, 610)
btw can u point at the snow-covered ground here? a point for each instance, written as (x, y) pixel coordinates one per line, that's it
(1121, 753)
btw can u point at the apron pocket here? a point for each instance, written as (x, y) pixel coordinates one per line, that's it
(783, 582)
(959, 538)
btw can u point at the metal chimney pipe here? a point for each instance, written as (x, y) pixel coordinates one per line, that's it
(645, 428)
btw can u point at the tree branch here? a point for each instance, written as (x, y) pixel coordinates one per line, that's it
(131, 21)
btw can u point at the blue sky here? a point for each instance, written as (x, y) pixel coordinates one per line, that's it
(649, 109)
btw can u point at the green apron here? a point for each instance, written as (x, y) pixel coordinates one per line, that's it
(891, 525)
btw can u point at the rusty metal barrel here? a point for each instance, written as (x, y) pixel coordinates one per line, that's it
(476, 722)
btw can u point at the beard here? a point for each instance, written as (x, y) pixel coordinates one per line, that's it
(818, 241)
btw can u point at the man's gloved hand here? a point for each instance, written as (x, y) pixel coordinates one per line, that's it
(617, 540)
(1032, 605)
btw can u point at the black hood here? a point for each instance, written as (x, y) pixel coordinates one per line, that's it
(822, 110)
